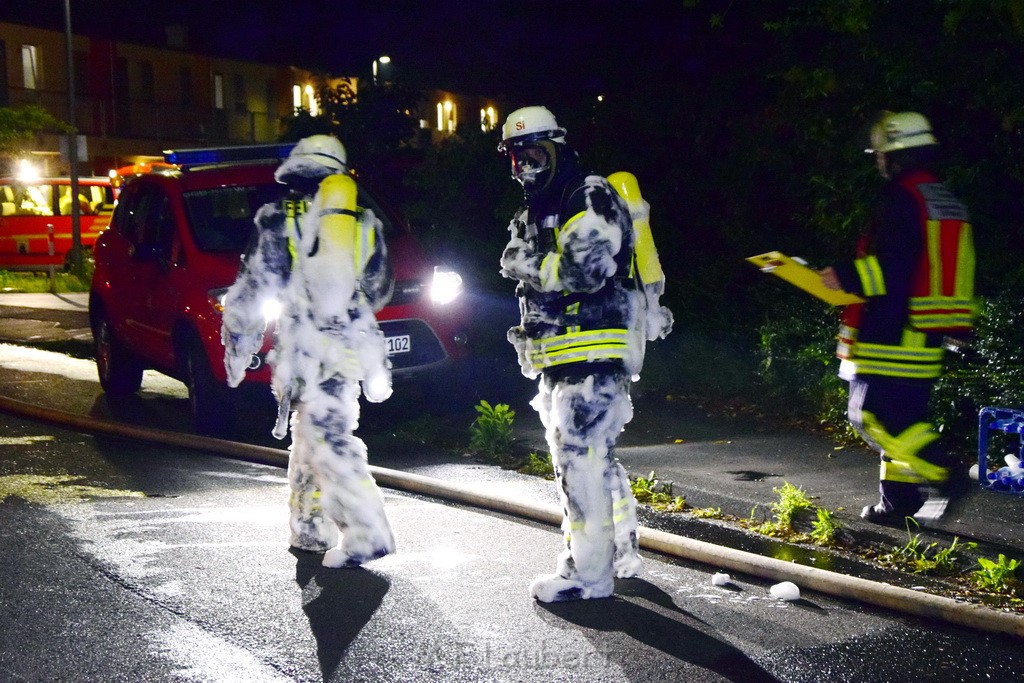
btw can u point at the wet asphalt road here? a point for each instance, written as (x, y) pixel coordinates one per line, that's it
(184, 574)
(127, 561)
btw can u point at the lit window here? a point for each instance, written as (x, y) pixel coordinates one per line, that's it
(311, 103)
(488, 119)
(30, 66)
(296, 98)
(447, 120)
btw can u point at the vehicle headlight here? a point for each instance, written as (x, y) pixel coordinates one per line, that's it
(216, 298)
(271, 310)
(446, 286)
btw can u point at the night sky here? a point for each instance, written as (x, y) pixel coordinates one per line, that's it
(520, 49)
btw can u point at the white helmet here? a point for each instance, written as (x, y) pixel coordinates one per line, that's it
(325, 150)
(528, 124)
(903, 130)
(317, 157)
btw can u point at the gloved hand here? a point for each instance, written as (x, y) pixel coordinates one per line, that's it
(238, 352)
(515, 258)
(660, 324)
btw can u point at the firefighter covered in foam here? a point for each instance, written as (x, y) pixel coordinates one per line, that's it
(586, 317)
(325, 261)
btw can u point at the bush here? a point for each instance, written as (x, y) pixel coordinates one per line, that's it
(797, 360)
(989, 373)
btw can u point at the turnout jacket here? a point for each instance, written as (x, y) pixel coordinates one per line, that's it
(915, 269)
(571, 250)
(329, 279)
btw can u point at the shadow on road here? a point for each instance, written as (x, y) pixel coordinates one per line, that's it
(678, 635)
(338, 605)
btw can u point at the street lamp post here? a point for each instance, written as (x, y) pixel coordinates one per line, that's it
(379, 66)
(76, 216)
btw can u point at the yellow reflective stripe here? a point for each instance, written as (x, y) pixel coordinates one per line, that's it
(549, 271)
(549, 267)
(293, 209)
(568, 225)
(906, 446)
(911, 359)
(936, 312)
(942, 302)
(573, 310)
(964, 287)
(912, 338)
(890, 369)
(944, 320)
(934, 257)
(295, 500)
(293, 237)
(620, 510)
(893, 470)
(575, 347)
(899, 353)
(870, 273)
(580, 355)
(587, 336)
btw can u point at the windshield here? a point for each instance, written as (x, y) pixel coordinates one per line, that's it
(222, 217)
(37, 199)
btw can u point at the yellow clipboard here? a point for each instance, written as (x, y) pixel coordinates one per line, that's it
(795, 273)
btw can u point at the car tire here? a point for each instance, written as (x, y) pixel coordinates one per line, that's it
(212, 408)
(120, 371)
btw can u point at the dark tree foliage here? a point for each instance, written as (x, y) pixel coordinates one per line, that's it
(461, 201)
(745, 123)
(376, 125)
(832, 67)
(19, 127)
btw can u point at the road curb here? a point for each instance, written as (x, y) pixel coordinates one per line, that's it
(821, 580)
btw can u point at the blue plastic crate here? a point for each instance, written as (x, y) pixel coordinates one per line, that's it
(1007, 420)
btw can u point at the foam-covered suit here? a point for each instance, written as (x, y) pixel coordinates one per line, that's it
(585, 322)
(326, 263)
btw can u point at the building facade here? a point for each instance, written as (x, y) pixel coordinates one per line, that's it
(131, 102)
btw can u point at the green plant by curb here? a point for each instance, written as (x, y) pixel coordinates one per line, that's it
(824, 528)
(538, 465)
(997, 576)
(792, 501)
(707, 513)
(649, 491)
(925, 558)
(491, 431)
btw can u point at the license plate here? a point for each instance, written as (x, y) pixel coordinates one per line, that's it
(399, 344)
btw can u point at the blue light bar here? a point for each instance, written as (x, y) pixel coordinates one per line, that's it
(220, 155)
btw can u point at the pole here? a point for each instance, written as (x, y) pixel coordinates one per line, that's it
(76, 214)
(50, 250)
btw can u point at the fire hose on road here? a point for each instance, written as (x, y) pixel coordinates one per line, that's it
(831, 583)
